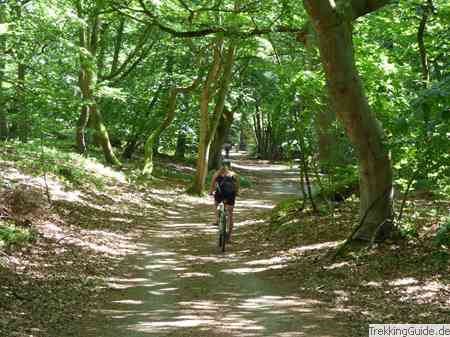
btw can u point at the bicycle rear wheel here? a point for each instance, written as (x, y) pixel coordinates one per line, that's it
(222, 229)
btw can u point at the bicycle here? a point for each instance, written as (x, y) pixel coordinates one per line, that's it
(223, 226)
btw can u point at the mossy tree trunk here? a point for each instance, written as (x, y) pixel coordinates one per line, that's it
(209, 124)
(333, 24)
(89, 37)
(152, 139)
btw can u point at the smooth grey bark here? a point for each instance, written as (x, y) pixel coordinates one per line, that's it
(333, 25)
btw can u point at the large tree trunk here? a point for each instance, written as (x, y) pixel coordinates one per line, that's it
(3, 110)
(102, 135)
(209, 124)
(350, 103)
(89, 37)
(204, 141)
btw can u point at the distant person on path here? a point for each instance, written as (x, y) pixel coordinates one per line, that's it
(225, 187)
(227, 146)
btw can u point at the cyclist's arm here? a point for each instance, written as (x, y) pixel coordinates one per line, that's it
(213, 183)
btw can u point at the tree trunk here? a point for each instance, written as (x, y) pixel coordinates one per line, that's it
(208, 125)
(3, 110)
(102, 135)
(205, 129)
(258, 129)
(427, 10)
(24, 123)
(90, 113)
(350, 103)
(82, 123)
(180, 151)
(150, 147)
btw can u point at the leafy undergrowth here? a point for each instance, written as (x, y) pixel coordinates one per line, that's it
(402, 281)
(61, 236)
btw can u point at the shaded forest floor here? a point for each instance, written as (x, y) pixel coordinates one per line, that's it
(97, 216)
(406, 280)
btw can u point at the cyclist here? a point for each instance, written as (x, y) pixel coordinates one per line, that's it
(225, 187)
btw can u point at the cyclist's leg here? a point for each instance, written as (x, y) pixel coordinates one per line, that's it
(229, 204)
(217, 200)
(230, 221)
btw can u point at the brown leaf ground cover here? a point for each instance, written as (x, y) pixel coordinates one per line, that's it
(53, 283)
(401, 281)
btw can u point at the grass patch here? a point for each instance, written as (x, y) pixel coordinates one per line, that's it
(285, 212)
(10, 235)
(72, 169)
(165, 172)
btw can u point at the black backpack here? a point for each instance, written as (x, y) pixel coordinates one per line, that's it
(227, 185)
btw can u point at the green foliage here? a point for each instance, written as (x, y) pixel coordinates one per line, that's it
(11, 235)
(343, 182)
(409, 230)
(72, 169)
(443, 234)
(284, 218)
(440, 259)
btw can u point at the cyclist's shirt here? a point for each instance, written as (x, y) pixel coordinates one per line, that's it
(227, 197)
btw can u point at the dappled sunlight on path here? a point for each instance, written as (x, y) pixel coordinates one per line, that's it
(179, 284)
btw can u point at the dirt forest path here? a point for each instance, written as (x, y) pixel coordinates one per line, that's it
(179, 284)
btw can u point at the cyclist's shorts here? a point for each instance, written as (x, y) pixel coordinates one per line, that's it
(227, 199)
